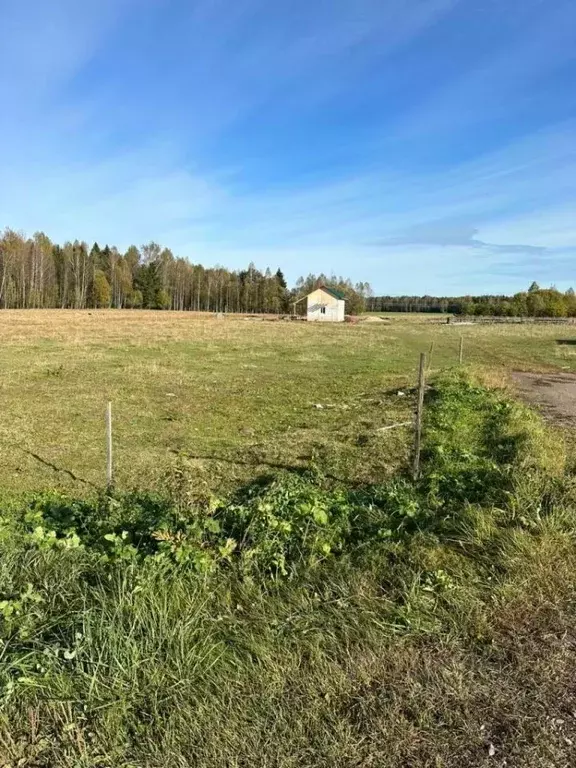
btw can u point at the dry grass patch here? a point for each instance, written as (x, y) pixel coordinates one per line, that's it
(241, 389)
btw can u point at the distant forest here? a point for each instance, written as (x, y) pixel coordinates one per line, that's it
(535, 302)
(37, 273)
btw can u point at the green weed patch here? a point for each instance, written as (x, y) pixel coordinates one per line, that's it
(296, 622)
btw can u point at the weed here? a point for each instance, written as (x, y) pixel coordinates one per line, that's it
(301, 622)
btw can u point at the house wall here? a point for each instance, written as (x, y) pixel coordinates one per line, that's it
(333, 308)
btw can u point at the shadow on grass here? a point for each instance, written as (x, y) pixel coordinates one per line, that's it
(297, 469)
(56, 468)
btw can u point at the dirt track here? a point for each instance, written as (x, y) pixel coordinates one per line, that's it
(553, 393)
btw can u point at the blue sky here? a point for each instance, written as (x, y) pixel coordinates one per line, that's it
(427, 146)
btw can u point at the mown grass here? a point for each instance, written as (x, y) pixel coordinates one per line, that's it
(236, 397)
(388, 624)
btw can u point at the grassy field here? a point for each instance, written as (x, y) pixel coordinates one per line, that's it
(338, 615)
(303, 624)
(234, 397)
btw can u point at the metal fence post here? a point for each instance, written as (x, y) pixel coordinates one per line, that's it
(109, 468)
(419, 413)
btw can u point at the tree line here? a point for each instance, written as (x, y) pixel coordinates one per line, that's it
(535, 302)
(36, 273)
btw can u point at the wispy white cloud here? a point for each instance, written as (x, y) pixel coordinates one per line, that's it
(44, 44)
(235, 62)
(502, 80)
(447, 232)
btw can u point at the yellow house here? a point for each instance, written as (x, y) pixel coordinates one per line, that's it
(325, 305)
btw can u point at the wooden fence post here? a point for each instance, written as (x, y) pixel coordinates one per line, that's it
(461, 353)
(419, 412)
(109, 470)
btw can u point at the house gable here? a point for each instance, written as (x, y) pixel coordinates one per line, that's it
(325, 305)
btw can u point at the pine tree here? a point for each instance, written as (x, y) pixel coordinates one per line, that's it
(96, 256)
(148, 283)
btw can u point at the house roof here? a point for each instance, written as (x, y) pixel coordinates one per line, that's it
(336, 294)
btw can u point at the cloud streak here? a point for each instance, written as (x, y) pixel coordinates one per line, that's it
(446, 233)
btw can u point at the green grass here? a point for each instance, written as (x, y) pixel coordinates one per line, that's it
(267, 586)
(435, 630)
(236, 397)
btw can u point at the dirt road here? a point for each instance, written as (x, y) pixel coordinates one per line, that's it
(553, 393)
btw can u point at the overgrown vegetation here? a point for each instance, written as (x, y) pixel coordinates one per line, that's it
(301, 623)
